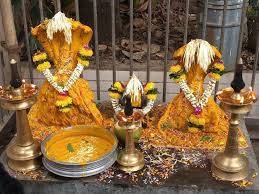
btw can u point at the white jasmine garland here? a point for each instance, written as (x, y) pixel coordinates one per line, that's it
(198, 103)
(70, 82)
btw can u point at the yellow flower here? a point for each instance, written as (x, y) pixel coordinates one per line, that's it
(201, 121)
(43, 66)
(64, 101)
(39, 57)
(118, 86)
(85, 63)
(175, 68)
(55, 78)
(197, 120)
(193, 129)
(219, 66)
(64, 110)
(86, 52)
(152, 97)
(114, 95)
(214, 76)
(149, 86)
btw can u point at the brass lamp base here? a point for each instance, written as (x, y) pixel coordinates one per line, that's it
(131, 162)
(23, 158)
(230, 167)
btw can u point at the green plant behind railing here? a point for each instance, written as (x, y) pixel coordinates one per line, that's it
(252, 9)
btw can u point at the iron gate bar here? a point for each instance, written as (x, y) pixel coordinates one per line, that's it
(185, 38)
(241, 33)
(131, 37)
(58, 5)
(222, 37)
(2, 115)
(149, 39)
(2, 62)
(28, 50)
(41, 11)
(204, 22)
(96, 45)
(77, 10)
(166, 48)
(256, 56)
(222, 34)
(113, 41)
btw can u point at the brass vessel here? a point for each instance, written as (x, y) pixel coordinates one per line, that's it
(130, 159)
(23, 153)
(230, 165)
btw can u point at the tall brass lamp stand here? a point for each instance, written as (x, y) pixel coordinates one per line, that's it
(23, 153)
(130, 159)
(230, 165)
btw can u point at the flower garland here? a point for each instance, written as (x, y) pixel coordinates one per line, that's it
(177, 72)
(118, 90)
(64, 101)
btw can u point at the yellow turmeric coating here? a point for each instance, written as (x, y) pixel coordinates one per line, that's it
(179, 109)
(64, 57)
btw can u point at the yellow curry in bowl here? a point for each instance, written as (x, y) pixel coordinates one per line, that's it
(79, 145)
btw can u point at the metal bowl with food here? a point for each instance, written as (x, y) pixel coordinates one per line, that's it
(79, 151)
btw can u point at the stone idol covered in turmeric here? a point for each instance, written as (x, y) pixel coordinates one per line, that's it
(193, 110)
(65, 99)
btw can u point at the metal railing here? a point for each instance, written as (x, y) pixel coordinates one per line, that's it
(149, 37)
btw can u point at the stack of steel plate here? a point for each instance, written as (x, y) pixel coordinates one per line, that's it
(81, 170)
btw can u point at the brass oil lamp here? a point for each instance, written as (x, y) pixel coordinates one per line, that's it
(23, 153)
(130, 159)
(230, 165)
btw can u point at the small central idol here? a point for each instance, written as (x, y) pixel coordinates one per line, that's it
(65, 99)
(193, 109)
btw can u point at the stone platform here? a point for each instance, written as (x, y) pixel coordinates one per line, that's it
(183, 178)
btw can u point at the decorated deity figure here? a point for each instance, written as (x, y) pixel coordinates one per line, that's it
(142, 97)
(65, 99)
(193, 109)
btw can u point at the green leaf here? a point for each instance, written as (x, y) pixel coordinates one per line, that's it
(206, 138)
(153, 91)
(70, 147)
(166, 125)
